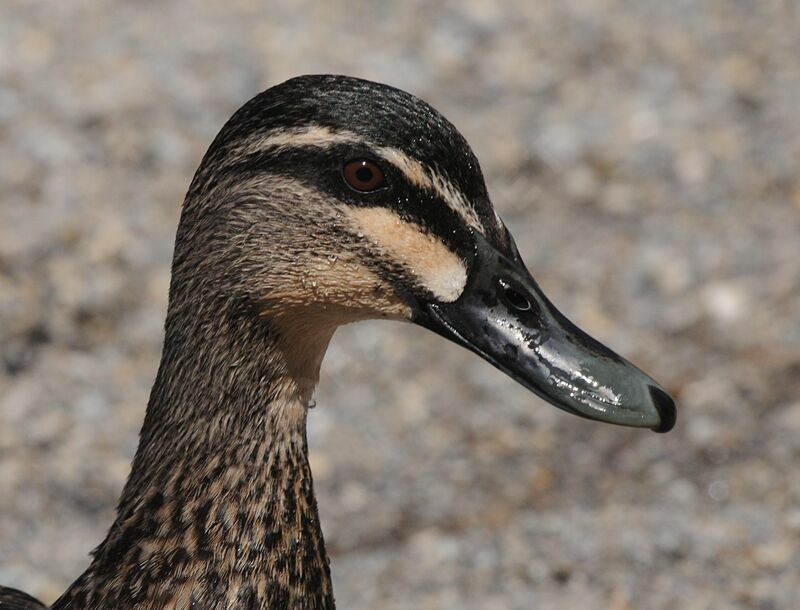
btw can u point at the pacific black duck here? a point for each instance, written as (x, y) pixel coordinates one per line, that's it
(324, 200)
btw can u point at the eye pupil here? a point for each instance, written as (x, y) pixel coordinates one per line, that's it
(363, 175)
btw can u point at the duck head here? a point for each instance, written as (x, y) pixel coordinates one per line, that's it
(329, 199)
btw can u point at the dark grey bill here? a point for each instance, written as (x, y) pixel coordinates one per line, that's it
(504, 317)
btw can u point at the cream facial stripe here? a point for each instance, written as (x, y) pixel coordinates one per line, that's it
(414, 171)
(434, 265)
(296, 137)
(424, 177)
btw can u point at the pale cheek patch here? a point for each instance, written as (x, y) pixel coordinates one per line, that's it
(435, 265)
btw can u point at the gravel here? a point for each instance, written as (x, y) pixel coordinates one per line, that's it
(645, 154)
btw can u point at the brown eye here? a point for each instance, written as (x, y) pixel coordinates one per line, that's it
(362, 175)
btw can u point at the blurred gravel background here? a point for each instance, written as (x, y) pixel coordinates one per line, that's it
(644, 153)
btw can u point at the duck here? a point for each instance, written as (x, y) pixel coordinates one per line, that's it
(324, 200)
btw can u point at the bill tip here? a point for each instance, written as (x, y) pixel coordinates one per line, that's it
(666, 409)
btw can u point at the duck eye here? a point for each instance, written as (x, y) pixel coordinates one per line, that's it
(363, 175)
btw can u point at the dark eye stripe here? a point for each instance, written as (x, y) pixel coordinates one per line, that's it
(322, 170)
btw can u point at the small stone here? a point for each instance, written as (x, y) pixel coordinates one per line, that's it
(726, 302)
(776, 554)
(719, 491)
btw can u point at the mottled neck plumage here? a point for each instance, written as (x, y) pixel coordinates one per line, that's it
(219, 510)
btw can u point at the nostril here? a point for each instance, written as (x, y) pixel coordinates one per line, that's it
(513, 297)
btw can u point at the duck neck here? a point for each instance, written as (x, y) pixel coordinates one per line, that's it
(219, 509)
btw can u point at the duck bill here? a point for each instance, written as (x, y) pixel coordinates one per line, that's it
(503, 316)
